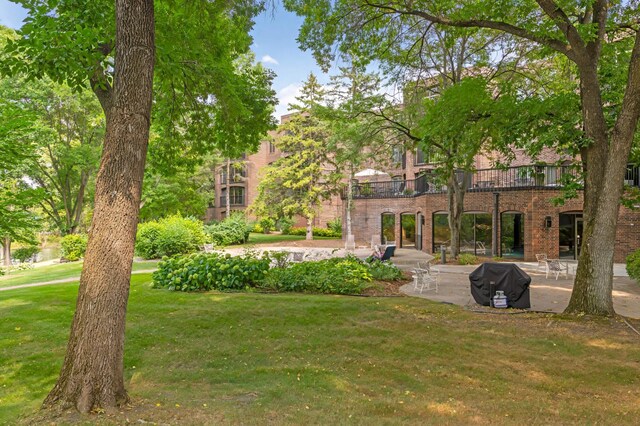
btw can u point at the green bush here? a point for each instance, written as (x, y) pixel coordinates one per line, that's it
(169, 236)
(267, 224)
(384, 271)
(25, 253)
(337, 276)
(257, 228)
(633, 265)
(284, 225)
(210, 271)
(317, 232)
(73, 246)
(335, 225)
(233, 230)
(467, 259)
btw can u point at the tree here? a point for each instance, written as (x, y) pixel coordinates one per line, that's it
(587, 34)
(455, 129)
(354, 139)
(71, 128)
(17, 147)
(199, 91)
(296, 183)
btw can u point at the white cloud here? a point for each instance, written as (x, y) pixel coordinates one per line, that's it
(267, 59)
(287, 95)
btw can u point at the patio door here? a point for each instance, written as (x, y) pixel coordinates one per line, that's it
(407, 230)
(570, 238)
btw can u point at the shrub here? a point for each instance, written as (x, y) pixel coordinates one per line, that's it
(335, 225)
(257, 228)
(267, 224)
(384, 271)
(170, 236)
(25, 253)
(73, 246)
(317, 232)
(337, 276)
(284, 225)
(467, 259)
(210, 271)
(633, 265)
(233, 230)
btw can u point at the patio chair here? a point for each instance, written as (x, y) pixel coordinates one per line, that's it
(423, 279)
(554, 266)
(480, 248)
(542, 261)
(429, 267)
(208, 248)
(388, 252)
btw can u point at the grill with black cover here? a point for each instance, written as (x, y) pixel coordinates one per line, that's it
(507, 277)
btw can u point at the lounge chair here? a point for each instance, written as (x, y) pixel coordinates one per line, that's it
(388, 252)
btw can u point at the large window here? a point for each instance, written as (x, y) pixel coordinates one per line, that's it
(441, 233)
(408, 229)
(388, 228)
(512, 235)
(398, 155)
(475, 233)
(236, 196)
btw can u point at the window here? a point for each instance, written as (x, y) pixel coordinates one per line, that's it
(419, 158)
(397, 155)
(236, 196)
(238, 173)
(272, 148)
(388, 228)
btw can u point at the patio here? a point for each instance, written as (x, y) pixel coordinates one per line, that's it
(547, 294)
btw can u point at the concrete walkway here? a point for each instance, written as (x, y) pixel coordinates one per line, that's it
(547, 295)
(65, 280)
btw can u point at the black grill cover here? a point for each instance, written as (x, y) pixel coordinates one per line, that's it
(507, 277)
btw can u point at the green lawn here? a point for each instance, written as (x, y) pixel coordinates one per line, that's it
(255, 238)
(57, 272)
(301, 359)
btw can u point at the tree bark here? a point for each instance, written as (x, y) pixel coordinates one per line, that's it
(6, 251)
(228, 200)
(309, 228)
(455, 198)
(607, 157)
(92, 372)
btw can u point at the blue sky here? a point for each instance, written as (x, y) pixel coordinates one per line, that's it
(274, 44)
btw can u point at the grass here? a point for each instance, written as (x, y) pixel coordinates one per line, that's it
(255, 238)
(57, 272)
(292, 359)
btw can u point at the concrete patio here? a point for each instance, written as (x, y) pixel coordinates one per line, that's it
(547, 295)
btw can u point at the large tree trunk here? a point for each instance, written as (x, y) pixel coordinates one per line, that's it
(605, 166)
(92, 372)
(455, 203)
(6, 251)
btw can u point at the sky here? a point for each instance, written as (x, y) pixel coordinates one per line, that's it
(274, 45)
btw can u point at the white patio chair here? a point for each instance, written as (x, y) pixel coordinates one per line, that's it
(423, 279)
(429, 267)
(208, 248)
(542, 261)
(555, 267)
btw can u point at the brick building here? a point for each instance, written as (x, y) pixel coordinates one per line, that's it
(508, 213)
(242, 183)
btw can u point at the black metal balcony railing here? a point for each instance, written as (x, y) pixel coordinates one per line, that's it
(512, 178)
(235, 200)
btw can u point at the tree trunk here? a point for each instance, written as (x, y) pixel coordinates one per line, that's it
(607, 156)
(228, 200)
(6, 251)
(309, 228)
(92, 372)
(349, 202)
(77, 213)
(455, 195)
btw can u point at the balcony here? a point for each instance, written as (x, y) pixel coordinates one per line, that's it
(484, 180)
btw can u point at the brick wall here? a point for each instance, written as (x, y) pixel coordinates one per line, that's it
(535, 204)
